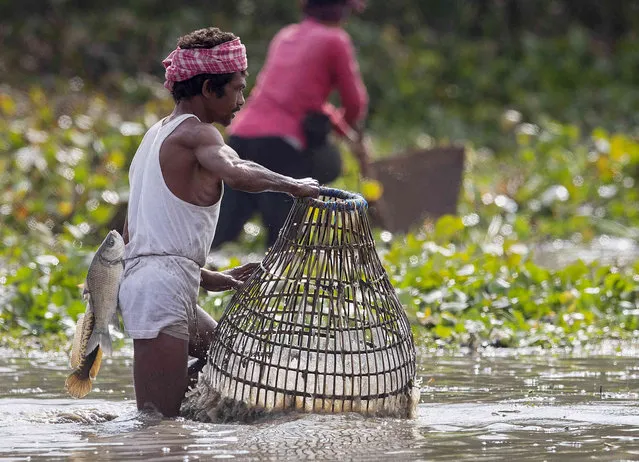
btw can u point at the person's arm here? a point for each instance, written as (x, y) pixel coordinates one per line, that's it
(244, 175)
(351, 88)
(336, 116)
(361, 148)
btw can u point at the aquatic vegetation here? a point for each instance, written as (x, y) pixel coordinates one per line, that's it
(465, 279)
(443, 87)
(490, 294)
(555, 184)
(60, 185)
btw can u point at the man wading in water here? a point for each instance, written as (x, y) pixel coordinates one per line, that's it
(177, 180)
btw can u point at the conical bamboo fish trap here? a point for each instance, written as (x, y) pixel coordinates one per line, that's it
(317, 328)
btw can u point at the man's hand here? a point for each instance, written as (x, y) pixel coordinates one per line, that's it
(243, 272)
(219, 281)
(306, 187)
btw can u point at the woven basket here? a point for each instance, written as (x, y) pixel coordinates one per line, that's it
(317, 328)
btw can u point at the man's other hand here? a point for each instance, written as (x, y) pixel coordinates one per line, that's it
(243, 272)
(219, 281)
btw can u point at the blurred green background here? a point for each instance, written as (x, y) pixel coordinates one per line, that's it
(543, 94)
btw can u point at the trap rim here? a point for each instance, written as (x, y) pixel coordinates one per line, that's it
(341, 200)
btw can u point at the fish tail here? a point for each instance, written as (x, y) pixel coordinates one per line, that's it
(100, 338)
(77, 385)
(95, 359)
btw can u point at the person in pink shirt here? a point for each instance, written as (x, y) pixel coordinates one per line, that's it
(286, 121)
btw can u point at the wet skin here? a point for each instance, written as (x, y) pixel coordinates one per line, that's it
(160, 366)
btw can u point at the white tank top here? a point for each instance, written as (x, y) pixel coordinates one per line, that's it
(159, 222)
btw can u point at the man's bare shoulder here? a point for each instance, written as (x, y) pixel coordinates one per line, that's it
(197, 135)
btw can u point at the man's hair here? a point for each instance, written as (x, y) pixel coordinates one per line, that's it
(203, 38)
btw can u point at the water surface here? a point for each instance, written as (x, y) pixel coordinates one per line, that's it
(497, 405)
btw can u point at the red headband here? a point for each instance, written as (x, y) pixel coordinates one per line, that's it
(184, 63)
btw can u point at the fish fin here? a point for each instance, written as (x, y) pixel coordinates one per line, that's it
(95, 367)
(77, 386)
(100, 338)
(77, 340)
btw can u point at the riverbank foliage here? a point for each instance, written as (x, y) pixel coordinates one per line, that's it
(550, 128)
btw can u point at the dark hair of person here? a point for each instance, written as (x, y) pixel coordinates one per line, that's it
(325, 2)
(327, 10)
(203, 38)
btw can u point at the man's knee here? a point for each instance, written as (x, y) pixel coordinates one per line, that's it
(199, 345)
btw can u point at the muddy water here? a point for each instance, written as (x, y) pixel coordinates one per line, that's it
(500, 405)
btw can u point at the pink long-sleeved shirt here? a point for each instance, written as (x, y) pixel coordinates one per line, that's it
(304, 64)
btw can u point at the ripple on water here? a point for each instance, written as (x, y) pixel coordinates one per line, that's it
(25, 391)
(497, 407)
(329, 437)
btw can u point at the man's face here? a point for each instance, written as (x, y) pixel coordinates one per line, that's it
(222, 109)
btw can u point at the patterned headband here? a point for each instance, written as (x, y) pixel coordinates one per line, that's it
(184, 63)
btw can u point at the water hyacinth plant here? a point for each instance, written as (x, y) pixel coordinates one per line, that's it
(497, 295)
(470, 279)
(60, 187)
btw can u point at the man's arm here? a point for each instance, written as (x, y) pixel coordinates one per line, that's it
(244, 175)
